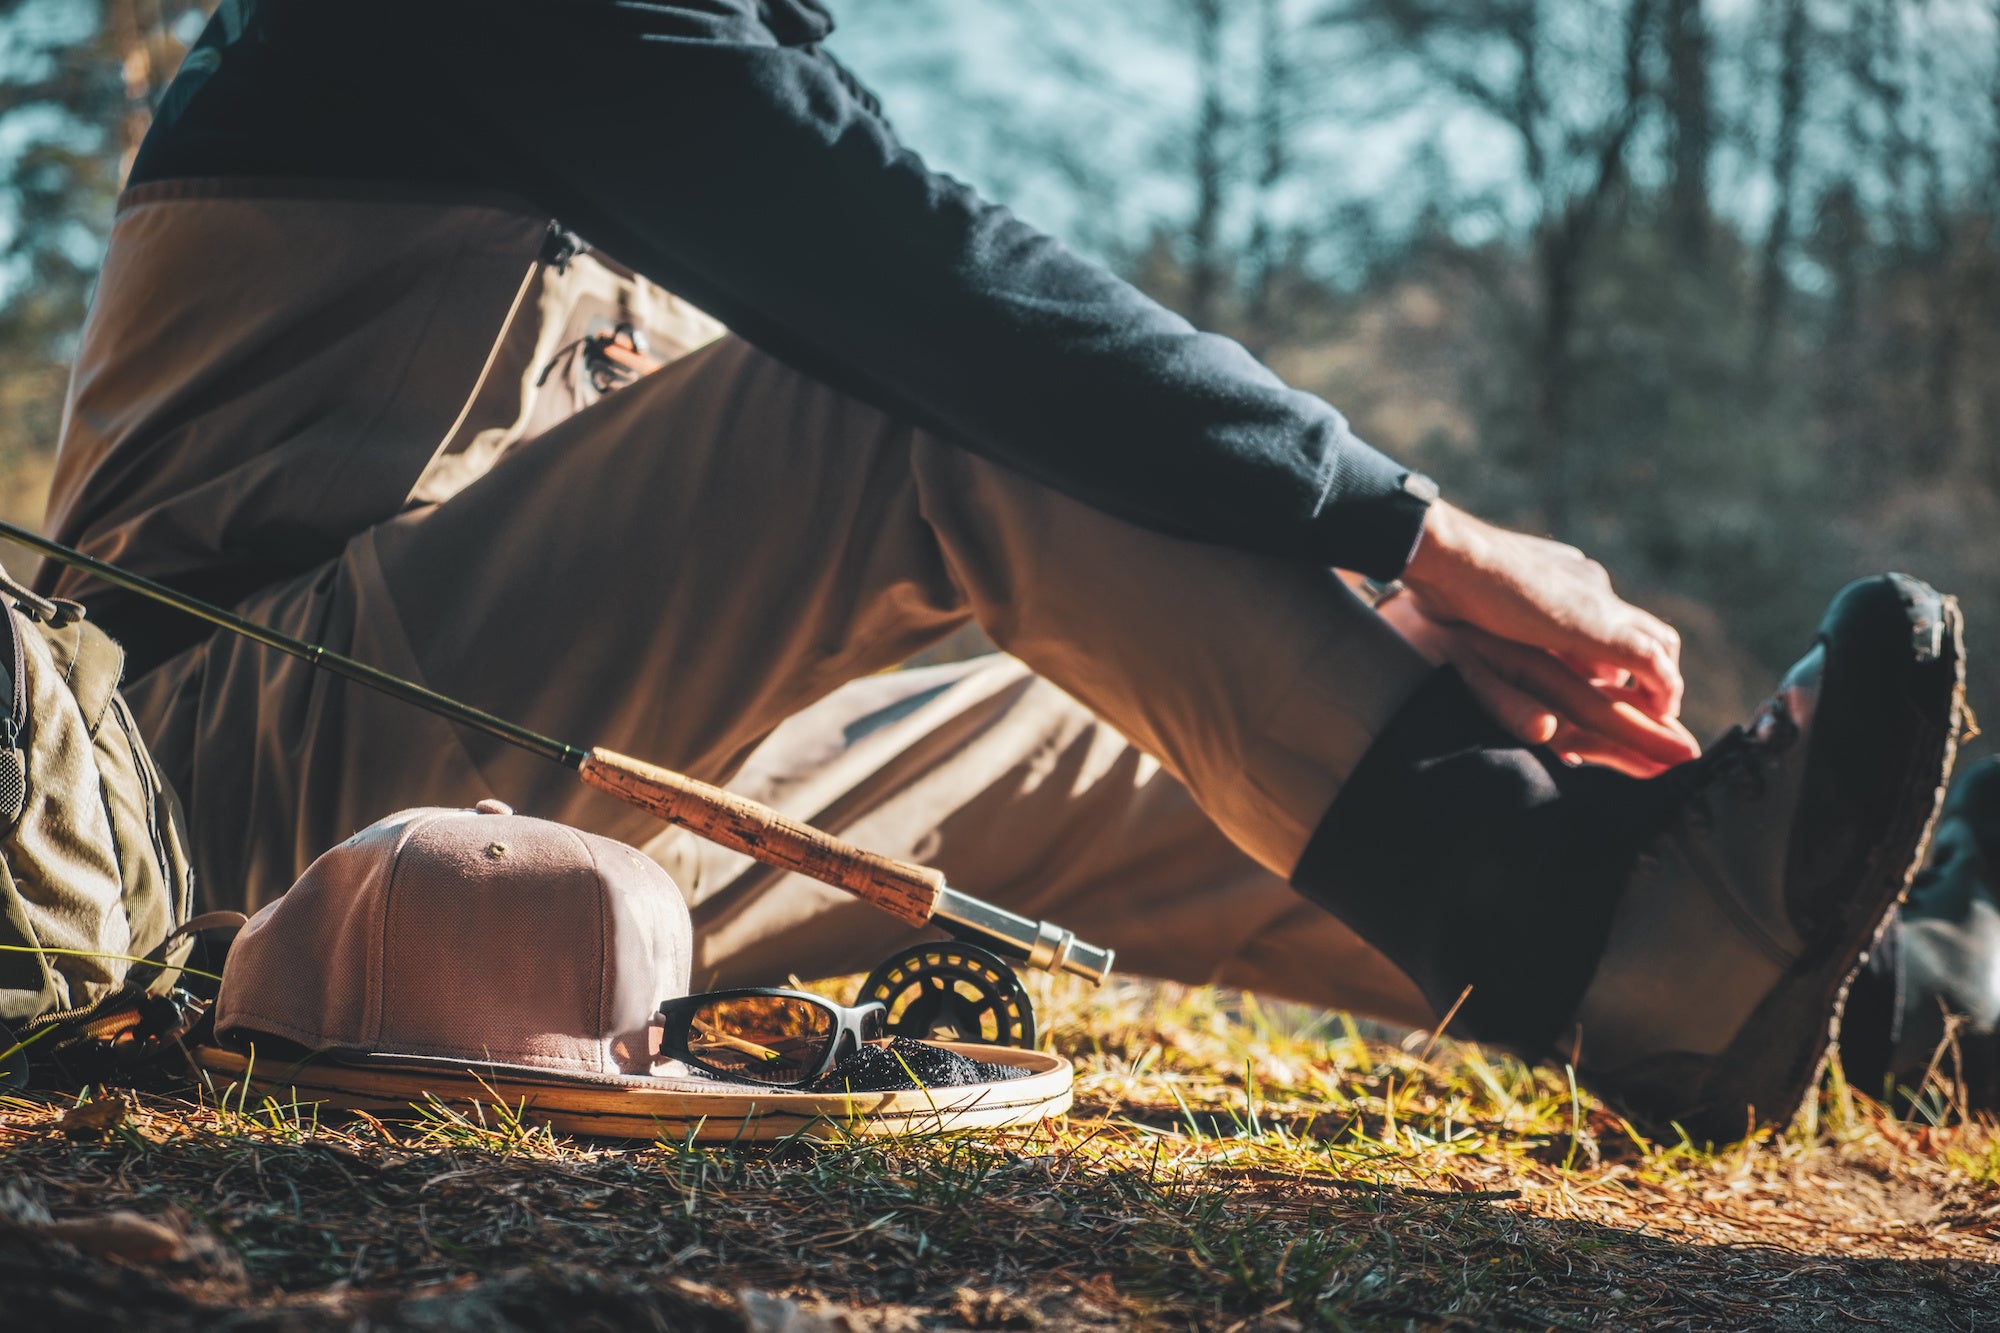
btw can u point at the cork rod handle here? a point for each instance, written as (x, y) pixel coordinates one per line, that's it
(907, 892)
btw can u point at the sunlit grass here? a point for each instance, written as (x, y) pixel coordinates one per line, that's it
(1228, 1161)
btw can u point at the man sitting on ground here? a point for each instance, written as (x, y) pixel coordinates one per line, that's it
(352, 369)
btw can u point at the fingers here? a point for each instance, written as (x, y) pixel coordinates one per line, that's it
(1580, 746)
(1577, 746)
(1407, 618)
(1643, 655)
(1667, 738)
(1667, 644)
(1656, 676)
(1616, 708)
(1620, 718)
(1512, 707)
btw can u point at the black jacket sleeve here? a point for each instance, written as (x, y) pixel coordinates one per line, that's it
(714, 147)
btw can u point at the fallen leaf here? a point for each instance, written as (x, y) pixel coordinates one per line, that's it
(121, 1235)
(1099, 1296)
(94, 1118)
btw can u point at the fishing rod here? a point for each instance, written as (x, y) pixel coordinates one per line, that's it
(914, 894)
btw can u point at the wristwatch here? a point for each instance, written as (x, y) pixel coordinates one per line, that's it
(1419, 487)
(1419, 493)
(1377, 592)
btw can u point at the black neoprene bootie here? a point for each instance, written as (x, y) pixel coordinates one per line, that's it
(1937, 966)
(1688, 938)
(1472, 860)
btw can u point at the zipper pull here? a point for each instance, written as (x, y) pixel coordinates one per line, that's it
(13, 710)
(560, 246)
(13, 775)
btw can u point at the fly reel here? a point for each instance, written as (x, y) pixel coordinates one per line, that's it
(952, 991)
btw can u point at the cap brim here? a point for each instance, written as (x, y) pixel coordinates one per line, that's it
(677, 1109)
(516, 1073)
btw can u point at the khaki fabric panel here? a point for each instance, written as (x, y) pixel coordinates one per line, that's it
(143, 813)
(266, 371)
(28, 985)
(538, 375)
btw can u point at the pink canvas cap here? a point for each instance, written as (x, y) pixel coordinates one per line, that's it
(477, 936)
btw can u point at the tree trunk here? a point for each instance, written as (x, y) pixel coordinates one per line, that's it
(1205, 267)
(134, 43)
(1993, 144)
(1557, 259)
(1273, 97)
(1840, 245)
(1772, 286)
(1561, 248)
(1880, 60)
(1691, 121)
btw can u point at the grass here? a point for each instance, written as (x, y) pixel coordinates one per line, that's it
(1228, 1165)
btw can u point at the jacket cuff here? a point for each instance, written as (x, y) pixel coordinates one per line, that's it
(1372, 521)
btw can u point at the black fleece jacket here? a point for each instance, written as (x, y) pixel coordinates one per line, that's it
(714, 146)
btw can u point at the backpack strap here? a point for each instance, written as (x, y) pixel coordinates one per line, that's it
(165, 962)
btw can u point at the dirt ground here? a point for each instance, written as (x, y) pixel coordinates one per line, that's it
(1227, 1166)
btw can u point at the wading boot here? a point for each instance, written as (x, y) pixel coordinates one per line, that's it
(1685, 939)
(1792, 839)
(1936, 970)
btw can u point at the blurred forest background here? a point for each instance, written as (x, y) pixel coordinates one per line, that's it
(1710, 288)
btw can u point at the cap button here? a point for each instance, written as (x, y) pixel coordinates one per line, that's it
(489, 806)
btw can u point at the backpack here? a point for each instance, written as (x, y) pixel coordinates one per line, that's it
(95, 880)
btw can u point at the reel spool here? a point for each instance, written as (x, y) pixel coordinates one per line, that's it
(952, 991)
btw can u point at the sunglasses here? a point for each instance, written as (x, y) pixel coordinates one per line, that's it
(759, 1034)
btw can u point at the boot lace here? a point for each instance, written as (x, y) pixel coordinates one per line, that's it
(1737, 765)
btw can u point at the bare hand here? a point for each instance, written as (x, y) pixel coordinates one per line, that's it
(1536, 696)
(1536, 630)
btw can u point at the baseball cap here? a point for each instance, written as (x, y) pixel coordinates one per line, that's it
(471, 937)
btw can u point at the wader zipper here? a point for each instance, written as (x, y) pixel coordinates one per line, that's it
(559, 247)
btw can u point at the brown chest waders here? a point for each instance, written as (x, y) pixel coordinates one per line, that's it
(914, 894)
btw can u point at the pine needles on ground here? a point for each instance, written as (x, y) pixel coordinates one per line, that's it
(1229, 1165)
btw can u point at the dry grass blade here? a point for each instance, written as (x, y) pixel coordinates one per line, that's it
(1229, 1164)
